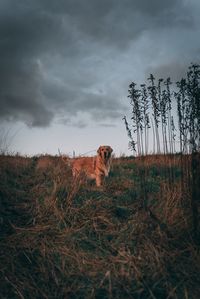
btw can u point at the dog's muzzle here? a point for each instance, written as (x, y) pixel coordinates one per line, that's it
(106, 155)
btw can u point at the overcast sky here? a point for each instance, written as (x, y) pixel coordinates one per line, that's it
(65, 66)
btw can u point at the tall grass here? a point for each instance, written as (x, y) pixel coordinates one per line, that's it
(175, 119)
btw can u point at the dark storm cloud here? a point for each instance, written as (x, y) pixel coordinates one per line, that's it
(55, 55)
(175, 70)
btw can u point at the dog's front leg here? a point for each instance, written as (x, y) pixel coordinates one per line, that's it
(106, 172)
(98, 180)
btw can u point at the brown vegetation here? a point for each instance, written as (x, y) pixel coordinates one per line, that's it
(63, 239)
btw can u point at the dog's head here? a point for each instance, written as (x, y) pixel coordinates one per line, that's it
(105, 151)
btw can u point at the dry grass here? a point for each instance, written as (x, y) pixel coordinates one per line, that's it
(61, 238)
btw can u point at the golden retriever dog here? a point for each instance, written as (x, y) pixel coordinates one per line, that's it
(96, 167)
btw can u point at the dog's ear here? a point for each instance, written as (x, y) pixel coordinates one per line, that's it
(110, 148)
(99, 150)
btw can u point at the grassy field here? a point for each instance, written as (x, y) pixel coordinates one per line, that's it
(132, 238)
